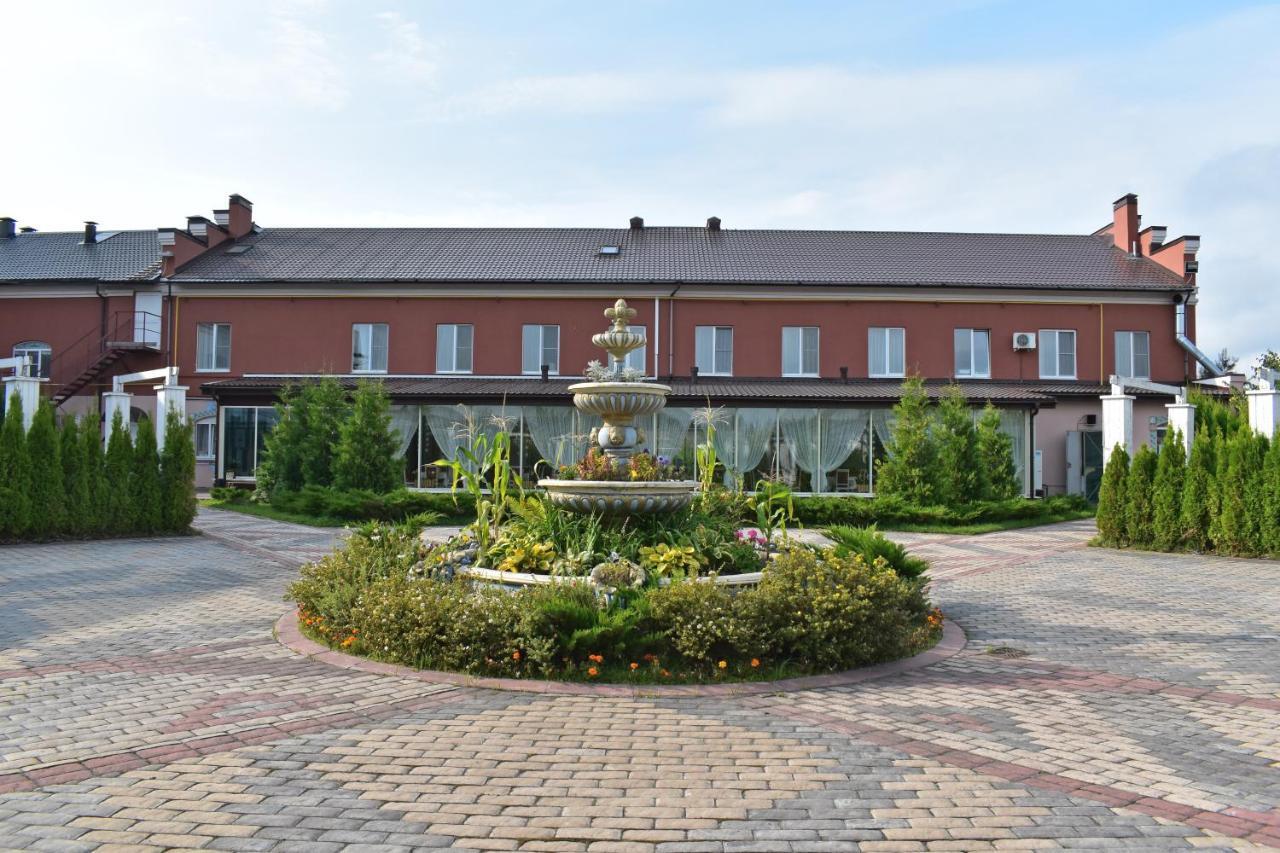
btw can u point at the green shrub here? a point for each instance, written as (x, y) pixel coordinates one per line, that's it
(177, 474)
(360, 505)
(871, 544)
(696, 617)
(958, 467)
(96, 484)
(230, 495)
(822, 511)
(117, 512)
(15, 473)
(368, 452)
(1229, 529)
(48, 501)
(75, 480)
(1270, 529)
(144, 483)
(998, 476)
(1167, 493)
(910, 469)
(1198, 492)
(1139, 511)
(1255, 490)
(1113, 499)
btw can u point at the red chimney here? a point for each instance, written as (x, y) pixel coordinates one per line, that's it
(1124, 229)
(240, 216)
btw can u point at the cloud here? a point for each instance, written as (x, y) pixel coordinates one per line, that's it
(407, 56)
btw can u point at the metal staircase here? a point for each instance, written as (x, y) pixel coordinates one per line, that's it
(94, 353)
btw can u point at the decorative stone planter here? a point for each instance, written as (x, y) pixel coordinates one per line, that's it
(615, 401)
(621, 497)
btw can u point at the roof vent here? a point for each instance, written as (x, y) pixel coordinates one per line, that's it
(637, 222)
(90, 233)
(27, 229)
(7, 225)
(713, 224)
(609, 250)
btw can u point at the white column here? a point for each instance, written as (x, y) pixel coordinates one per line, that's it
(1182, 417)
(1117, 423)
(112, 402)
(1264, 411)
(28, 390)
(168, 397)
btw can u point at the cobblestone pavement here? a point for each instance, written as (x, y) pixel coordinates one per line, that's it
(1105, 699)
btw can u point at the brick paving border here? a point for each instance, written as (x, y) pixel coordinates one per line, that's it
(289, 634)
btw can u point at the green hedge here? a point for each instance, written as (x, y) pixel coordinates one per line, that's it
(364, 505)
(815, 511)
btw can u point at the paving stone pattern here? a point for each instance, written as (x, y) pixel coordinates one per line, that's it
(145, 705)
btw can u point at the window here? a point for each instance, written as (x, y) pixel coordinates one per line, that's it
(369, 348)
(244, 435)
(713, 350)
(541, 345)
(1057, 354)
(635, 358)
(453, 347)
(213, 347)
(973, 353)
(205, 431)
(888, 352)
(40, 353)
(1133, 354)
(799, 350)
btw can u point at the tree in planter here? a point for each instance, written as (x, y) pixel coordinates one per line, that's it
(177, 474)
(117, 506)
(1229, 529)
(1167, 493)
(75, 479)
(368, 452)
(283, 468)
(1113, 499)
(15, 473)
(1198, 492)
(958, 477)
(145, 482)
(48, 502)
(1139, 513)
(998, 476)
(95, 481)
(327, 409)
(910, 468)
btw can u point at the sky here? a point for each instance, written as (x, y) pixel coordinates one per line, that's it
(954, 115)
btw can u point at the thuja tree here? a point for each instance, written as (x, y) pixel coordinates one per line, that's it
(326, 410)
(368, 451)
(15, 474)
(909, 469)
(48, 504)
(1113, 498)
(177, 474)
(1229, 529)
(90, 434)
(1198, 492)
(145, 480)
(1255, 489)
(283, 467)
(117, 504)
(998, 477)
(75, 479)
(958, 469)
(1271, 498)
(1139, 510)
(1167, 493)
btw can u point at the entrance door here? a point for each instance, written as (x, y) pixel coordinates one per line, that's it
(146, 317)
(1092, 463)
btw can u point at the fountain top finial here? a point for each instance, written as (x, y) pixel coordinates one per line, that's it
(619, 340)
(620, 314)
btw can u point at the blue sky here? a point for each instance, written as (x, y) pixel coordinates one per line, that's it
(1004, 116)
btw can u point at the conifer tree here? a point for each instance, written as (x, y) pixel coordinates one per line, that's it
(95, 480)
(145, 481)
(998, 474)
(1167, 493)
(1139, 508)
(368, 454)
(1113, 499)
(327, 409)
(909, 470)
(1255, 491)
(48, 501)
(957, 441)
(1271, 498)
(1197, 492)
(177, 475)
(15, 474)
(1230, 526)
(282, 466)
(75, 479)
(117, 506)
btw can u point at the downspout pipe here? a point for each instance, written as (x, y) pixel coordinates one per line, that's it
(1180, 335)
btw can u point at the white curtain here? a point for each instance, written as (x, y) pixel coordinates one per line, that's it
(404, 423)
(842, 429)
(1013, 422)
(742, 439)
(673, 426)
(800, 433)
(882, 423)
(455, 426)
(552, 429)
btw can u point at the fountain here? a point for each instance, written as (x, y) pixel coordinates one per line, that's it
(618, 402)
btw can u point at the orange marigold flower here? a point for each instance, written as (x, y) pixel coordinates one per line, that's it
(635, 665)
(755, 662)
(593, 672)
(665, 674)
(515, 655)
(348, 641)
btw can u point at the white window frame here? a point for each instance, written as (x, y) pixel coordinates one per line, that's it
(971, 372)
(210, 427)
(447, 334)
(889, 372)
(1131, 369)
(710, 338)
(1057, 353)
(540, 329)
(637, 357)
(799, 334)
(213, 357)
(40, 353)
(369, 357)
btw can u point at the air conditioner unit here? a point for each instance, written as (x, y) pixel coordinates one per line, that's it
(1024, 340)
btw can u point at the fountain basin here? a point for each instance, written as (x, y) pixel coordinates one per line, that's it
(616, 401)
(618, 497)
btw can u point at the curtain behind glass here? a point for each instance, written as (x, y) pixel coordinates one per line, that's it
(742, 439)
(404, 423)
(1013, 422)
(455, 426)
(673, 427)
(842, 429)
(882, 424)
(552, 431)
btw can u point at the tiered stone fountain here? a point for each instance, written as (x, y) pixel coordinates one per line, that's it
(618, 403)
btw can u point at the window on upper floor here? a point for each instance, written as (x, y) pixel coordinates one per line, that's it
(213, 347)
(369, 347)
(887, 352)
(1133, 354)
(799, 350)
(454, 347)
(636, 358)
(973, 353)
(40, 353)
(540, 345)
(1057, 354)
(713, 350)
(206, 445)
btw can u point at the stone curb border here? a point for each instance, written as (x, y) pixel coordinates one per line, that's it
(289, 634)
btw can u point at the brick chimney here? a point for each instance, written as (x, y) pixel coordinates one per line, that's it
(239, 216)
(206, 229)
(178, 247)
(1179, 257)
(1126, 222)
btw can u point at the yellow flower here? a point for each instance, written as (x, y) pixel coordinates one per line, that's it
(723, 664)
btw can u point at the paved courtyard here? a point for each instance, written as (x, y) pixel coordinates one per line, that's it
(1104, 700)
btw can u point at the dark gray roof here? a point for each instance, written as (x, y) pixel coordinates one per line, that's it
(670, 255)
(62, 256)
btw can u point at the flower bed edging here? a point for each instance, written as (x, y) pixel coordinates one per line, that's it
(289, 635)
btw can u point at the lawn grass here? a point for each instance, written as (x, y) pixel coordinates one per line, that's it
(267, 511)
(980, 528)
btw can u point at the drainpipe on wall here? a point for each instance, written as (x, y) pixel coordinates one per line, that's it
(671, 331)
(1180, 335)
